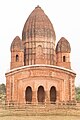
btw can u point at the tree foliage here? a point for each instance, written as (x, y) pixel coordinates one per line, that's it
(78, 93)
(2, 89)
(2, 92)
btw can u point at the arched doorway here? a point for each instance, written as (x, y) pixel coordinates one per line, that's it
(41, 94)
(28, 94)
(53, 94)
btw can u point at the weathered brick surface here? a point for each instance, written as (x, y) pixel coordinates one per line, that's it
(38, 68)
(35, 76)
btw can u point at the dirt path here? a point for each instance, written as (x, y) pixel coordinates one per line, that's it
(40, 118)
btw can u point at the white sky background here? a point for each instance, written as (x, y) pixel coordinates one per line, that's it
(64, 15)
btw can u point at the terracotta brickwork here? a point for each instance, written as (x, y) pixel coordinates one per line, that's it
(40, 71)
(40, 75)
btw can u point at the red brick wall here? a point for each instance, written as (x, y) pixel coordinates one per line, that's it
(35, 76)
(60, 62)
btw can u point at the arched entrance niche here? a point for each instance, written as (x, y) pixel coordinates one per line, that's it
(41, 94)
(53, 94)
(28, 94)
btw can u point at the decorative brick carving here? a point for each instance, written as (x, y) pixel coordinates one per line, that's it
(39, 73)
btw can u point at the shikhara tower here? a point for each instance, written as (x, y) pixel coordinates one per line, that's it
(39, 70)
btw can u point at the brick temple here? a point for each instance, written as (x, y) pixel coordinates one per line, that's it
(40, 71)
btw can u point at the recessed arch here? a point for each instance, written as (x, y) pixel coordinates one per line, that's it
(17, 58)
(41, 94)
(64, 58)
(53, 94)
(28, 94)
(39, 50)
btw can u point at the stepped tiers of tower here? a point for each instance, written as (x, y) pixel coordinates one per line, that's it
(40, 71)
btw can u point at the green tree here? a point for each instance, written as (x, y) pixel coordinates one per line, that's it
(2, 89)
(78, 93)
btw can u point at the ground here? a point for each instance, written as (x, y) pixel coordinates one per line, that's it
(69, 113)
(54, 117)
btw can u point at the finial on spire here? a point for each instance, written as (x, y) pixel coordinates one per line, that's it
(37, 6)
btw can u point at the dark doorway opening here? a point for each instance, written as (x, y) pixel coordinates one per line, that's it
(28, 94)
(53, 94)
(41, 94)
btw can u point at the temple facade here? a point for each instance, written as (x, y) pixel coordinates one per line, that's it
(40, 71)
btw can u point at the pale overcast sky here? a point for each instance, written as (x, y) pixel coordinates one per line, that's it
(64, 15)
